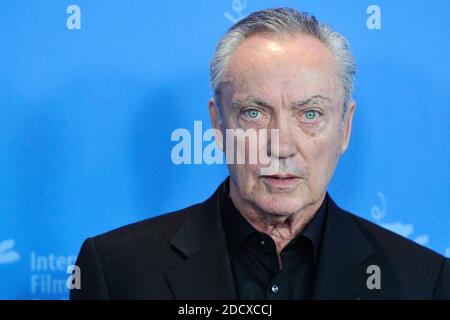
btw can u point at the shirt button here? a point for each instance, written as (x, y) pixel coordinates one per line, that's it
(274, 288)
(262, 242)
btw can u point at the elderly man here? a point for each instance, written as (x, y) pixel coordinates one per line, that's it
(262, 234)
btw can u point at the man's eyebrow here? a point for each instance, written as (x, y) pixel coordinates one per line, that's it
(250, 100)
(307, 101)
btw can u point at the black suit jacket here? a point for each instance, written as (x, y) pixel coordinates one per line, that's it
(184, 255)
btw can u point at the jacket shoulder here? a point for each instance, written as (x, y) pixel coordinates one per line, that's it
(416, 266)
(394, 244)
(130, 262)
(150, 232)
(407, 269)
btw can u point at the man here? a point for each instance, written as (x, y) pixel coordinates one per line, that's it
(263, 234)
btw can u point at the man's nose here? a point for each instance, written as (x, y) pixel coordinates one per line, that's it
(285, 147)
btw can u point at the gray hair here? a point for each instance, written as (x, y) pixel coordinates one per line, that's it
(280, 22)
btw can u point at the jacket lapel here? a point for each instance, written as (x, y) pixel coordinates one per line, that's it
(341, 272)
(206, 271)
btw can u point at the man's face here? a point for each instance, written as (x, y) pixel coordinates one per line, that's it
(291, 85)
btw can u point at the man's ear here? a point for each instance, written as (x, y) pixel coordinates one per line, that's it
(348, 126)
(216, 123)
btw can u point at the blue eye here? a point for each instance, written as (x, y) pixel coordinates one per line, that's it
(310, 115)
(252, 113)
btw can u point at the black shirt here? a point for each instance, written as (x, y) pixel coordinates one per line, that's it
(254, 259)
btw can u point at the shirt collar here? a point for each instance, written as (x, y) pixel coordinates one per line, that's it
(237, 228)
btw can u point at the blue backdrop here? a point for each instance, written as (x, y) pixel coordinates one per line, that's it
(89, 97)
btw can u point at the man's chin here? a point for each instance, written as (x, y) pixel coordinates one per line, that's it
(281, 206)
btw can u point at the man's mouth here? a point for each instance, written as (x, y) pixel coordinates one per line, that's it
(281, 180)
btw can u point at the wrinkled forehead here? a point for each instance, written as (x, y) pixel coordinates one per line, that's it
(292, 68)
(299, 50)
